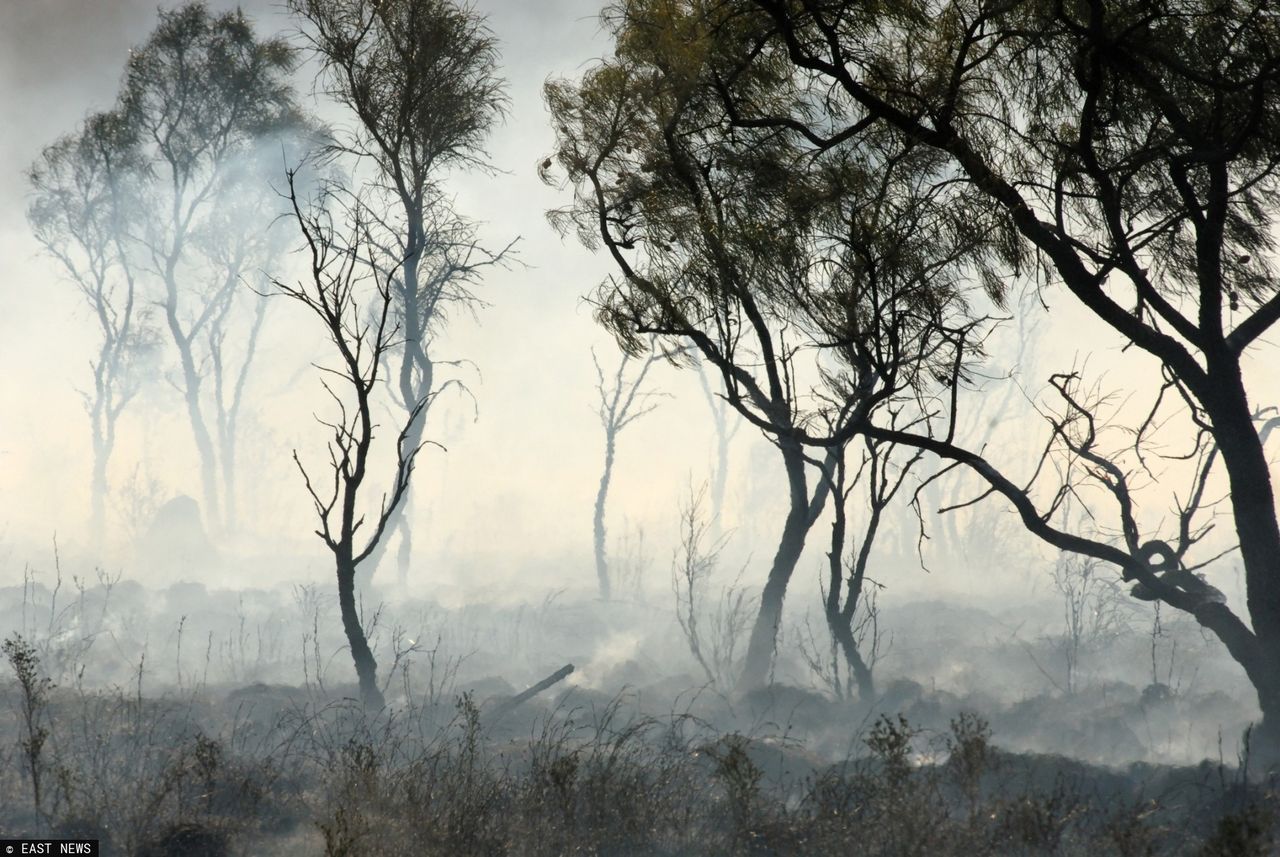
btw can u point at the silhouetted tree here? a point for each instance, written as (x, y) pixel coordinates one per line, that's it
(84, 204)
(1129, 150)
(343, 268)
(724, 434)
(819, 291)
(419, 78)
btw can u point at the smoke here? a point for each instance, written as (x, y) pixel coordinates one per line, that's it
(502, 514)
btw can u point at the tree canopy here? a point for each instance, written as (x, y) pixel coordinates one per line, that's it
(831, 153)
(825, 283)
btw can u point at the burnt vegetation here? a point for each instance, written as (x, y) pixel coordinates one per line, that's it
(859, 226)
(167, 759)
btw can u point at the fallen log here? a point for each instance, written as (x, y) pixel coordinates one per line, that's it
(502, 709)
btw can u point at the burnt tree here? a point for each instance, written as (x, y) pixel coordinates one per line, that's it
(1131, 150)
(418, 79)
(343, 272)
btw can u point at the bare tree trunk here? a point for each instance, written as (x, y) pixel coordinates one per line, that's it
(404, 553)
(862, 675)
(191, 380)
(598, 528)
(1253, 506)
(398, 525)
(620, 405)
(229, 414)
(367, 567)
(361, 654)
(400, 522)
(764, 634)
(98, 493)
(841, 617)
(102, 426)
(102, 418)
(416, 382)
(804, 511)
(204, 447)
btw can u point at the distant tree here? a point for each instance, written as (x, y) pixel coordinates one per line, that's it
(725, 430)
(713, 620)
(957, 532)
(1096, 612)
(622, 401)
(819, 292)
(243, 257)
(1133, 150)
(83, 206)
(209, 104)
(344, 272)
(419, 78)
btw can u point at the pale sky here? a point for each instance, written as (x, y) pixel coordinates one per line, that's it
(516, 485)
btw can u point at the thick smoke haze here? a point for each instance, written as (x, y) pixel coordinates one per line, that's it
(503, 497)
(513, 478)
(509, 504)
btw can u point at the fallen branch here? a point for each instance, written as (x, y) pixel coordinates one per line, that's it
(505, 707)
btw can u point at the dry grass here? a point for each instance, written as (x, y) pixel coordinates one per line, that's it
(185, 775)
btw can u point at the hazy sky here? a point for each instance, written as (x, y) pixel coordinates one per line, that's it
(517, 482)
(511, 499)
